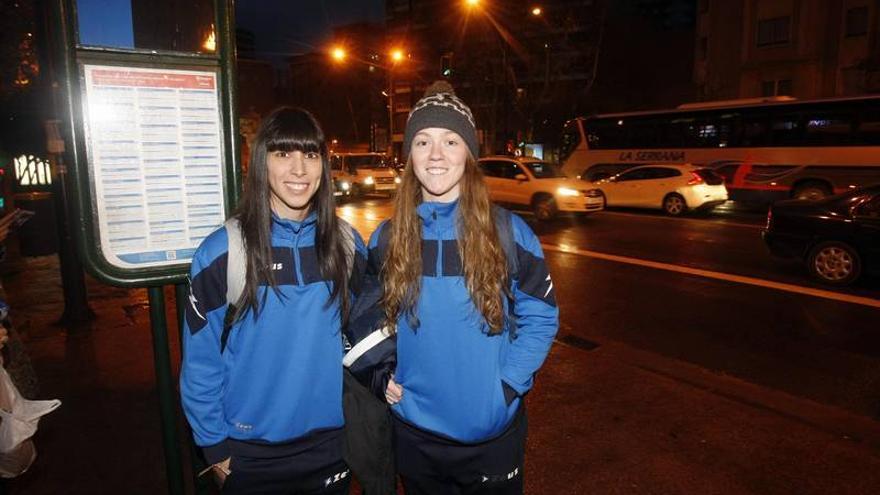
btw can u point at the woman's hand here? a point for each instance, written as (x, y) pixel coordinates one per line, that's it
(221, 471)
(393, 392)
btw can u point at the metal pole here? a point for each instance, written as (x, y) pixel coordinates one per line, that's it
(196, 461)
(390, 112)
(76, 306)
(73, 282)
(165, 388)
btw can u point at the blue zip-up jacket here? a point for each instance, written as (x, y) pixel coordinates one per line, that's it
(459, 382)
(274, 379)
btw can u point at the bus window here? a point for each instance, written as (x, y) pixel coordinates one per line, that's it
(642, 133)
(705, 134)
(607, 134)
(824, 129)
(869, 129)
(786, 130)
(672, 133)
(754, 131)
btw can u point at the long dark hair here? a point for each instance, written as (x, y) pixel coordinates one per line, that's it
(288, 129)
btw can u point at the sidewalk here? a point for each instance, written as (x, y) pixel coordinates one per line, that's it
(609, 420)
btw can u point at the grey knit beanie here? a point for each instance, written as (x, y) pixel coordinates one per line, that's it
(441, 108)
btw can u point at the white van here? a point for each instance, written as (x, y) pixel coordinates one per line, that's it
(368, 172)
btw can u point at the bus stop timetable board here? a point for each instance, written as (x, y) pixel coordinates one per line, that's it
(155, 161)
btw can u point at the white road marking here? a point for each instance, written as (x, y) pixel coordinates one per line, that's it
(797, 289)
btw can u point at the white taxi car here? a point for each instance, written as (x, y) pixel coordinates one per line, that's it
(536, 184)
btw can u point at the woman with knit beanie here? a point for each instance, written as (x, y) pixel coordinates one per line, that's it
(467, 294)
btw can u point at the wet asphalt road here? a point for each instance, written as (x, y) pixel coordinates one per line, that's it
(813, 347)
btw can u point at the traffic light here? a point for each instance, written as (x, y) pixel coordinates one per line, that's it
(446, 65)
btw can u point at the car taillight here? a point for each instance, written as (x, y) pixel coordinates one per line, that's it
(695, 179)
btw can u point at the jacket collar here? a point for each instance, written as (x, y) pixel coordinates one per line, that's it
(438, 216)
(291, 228)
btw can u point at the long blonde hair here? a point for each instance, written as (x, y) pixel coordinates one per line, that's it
(483, 259)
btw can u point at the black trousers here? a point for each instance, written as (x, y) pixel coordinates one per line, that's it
(264, 470)
(432, 465)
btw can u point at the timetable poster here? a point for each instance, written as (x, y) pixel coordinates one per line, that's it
(156, 157)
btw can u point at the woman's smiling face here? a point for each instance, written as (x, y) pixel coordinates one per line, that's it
(439, 157)
(294, 177)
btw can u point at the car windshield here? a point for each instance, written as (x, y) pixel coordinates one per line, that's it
(852, 193)
(544, 170)
(366, 161)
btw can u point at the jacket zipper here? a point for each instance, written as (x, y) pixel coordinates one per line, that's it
(296, 260)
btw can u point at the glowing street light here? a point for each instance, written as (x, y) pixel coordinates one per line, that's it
(536, 11)
(472, 3)
(396, 55)
(338, 53)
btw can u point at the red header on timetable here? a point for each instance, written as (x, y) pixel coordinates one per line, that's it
(143, 79)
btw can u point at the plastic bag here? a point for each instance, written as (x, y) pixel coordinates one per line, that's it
(18, 423)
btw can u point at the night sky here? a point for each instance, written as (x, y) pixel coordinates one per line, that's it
(286, 27)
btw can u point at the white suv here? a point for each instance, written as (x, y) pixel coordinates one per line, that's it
(541, 186)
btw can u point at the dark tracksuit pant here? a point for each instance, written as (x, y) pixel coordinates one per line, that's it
(433, 465)
(307, 466)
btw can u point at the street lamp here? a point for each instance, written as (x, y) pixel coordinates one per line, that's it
(536, 11)
(395, 56)
(472, 3)
(338, 53)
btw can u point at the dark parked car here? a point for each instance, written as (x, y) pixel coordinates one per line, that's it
(838, 237)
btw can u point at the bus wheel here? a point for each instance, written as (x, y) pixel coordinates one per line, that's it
(674, 204)
(544, 207)
(811, 191)
(834, 263)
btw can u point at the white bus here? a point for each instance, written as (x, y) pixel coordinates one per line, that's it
(766, 148)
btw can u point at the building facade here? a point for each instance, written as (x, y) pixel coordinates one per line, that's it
(520, 71)
(800, 48)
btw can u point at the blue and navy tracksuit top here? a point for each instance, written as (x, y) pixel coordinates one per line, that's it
(274, 379)
(454, 374)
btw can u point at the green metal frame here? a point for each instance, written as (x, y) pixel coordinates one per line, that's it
(81, 184)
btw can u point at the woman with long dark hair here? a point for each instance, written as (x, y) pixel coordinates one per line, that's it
(261, 380)
(468, 295)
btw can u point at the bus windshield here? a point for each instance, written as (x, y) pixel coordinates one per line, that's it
(571, 137)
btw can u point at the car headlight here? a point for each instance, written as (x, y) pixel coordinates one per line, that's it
(565, 191)
(345, 186)
(369, 180)
(397, 180)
